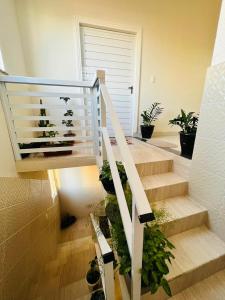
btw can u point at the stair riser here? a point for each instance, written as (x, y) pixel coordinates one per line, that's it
(180, 225)
(153, 168)
(163, 192)
(188, 279)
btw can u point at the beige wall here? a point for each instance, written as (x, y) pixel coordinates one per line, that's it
(79, 189)
(207, 183)
(28, 233)
(178, 38)
(11, 48)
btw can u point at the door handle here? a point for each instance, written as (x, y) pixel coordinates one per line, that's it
(131, 88)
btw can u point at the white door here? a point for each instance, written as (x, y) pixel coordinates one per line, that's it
(113, 52)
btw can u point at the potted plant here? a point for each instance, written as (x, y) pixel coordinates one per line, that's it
(150, 115)
(93, 275)
(51, 134)
(98, 295)
(68, 123)
(188, 123)
(106, 177)
(156, 248)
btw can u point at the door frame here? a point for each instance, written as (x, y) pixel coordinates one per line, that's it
(137, 31)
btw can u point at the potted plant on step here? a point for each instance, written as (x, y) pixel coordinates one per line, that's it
(150, 115)
(106, 177)
(98, 295)
(93, 275)
(68, 123)
(188, 123)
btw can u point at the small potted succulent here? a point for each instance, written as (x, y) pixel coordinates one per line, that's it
(93, 275)
(106, 177)
(150, 115)
(188, 123)
(98, 295)
(68, 123)
(50, 134)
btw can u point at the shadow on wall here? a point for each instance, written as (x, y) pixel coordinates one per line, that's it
(79, 190)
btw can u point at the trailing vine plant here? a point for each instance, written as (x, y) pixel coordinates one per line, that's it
(156, 249)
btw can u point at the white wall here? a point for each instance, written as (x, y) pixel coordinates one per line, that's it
(11, 48)
(79, 190)
(178, 39)
(207, 184)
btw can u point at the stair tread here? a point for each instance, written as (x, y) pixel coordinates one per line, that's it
(194, 248)
(179, 207)
(160, 180)
(142, 154)
(211, 288)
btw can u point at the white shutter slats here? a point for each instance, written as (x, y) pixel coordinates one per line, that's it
(113, 52)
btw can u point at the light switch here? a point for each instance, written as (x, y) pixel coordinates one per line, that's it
(152, 79)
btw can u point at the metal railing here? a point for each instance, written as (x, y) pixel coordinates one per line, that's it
(92, 99)
(141, 210)
(21, 97)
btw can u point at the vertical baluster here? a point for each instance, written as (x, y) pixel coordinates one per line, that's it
(95, 127)
(137, 252)
(109, 281)
(9, 121)
(101, 79)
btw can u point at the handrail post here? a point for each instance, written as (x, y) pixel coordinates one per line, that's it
(9, 121)
(101, 78)
(137, 253)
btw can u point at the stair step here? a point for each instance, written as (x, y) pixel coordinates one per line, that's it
(199, 253)
(183, 214)
(211, 288)
(154, 167)
(163, 186)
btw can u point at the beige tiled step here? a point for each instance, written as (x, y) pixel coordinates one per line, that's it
(199, 253)
(154, 167)
(211, 288)
(163, 186)
(183, 214)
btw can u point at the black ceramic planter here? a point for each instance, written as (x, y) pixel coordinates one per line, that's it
(147, 131)
(187, 142)
(109, 185)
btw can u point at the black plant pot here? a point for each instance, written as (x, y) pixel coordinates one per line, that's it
(109, 185)
(147, 131)
(187, 142)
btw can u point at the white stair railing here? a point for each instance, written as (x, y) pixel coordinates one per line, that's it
(141, 210)
(20, 97)
(92, 100)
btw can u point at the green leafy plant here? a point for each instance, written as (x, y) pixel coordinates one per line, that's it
(69, 113)
(156, 248)
(106, 177)
(151, 114)
(43, 123)
(188, 122)
(106, 172)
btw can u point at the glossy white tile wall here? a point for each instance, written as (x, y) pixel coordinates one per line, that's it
(207, 182)
(219, 50)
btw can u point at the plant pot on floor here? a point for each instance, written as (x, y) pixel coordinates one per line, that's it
(98, 295)
(147, 131)
(187, 142)
(93, 279)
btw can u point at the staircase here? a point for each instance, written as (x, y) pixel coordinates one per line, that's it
(199, 252)
(63, 278)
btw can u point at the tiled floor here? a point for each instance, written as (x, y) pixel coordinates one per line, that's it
(64, 277)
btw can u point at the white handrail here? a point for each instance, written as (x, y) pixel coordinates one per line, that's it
(143, 207)
(119, 190)
(44, 81)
